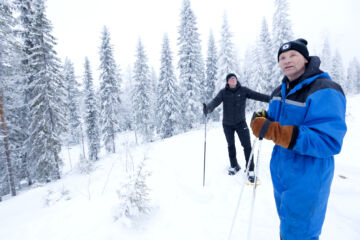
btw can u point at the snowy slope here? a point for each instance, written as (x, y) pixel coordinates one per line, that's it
(81, 206)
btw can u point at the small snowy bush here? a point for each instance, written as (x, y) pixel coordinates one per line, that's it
(54, 196)
(134, 195)
(84, 165)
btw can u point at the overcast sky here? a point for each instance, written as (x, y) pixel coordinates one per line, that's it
(78, 25)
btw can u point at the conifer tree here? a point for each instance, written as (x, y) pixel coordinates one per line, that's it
(46, 98)
(326, 57)
(142, 95)
(24, 19)
(119, 109)
(211, 75)
(352, 85)
(281, 30)
(91, 115)
(126, 108)
(154, 91)
(191, 67)
(73, 103)
(258, 78)
(227, 57)
(168, 99)
(357, 76)
(4, 135)
(109, 93)
(11, 91)
(134, 195)
(246, 71)
(268, 60)
(337, 69)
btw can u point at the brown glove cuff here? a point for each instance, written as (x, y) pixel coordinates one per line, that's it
(281, 135)
(284, 136)
(256, 125)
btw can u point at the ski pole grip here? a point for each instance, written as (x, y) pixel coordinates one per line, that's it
(264, 129)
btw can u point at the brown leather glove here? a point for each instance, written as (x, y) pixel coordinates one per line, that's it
(284, 136)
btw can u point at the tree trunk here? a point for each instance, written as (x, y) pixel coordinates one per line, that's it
(6, 144)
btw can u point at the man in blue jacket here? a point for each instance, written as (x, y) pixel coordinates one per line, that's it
(233, 97)
(306, 121)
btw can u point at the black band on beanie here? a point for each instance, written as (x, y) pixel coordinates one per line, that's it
(230, 75)
(298, 45)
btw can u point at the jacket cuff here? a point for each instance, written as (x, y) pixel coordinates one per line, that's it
(293, 137)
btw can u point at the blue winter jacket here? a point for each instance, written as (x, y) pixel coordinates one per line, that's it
(302, 174)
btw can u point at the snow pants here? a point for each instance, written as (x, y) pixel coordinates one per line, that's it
(242, 131)
(301, 190)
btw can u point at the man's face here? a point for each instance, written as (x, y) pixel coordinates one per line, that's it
(292, 64)
(232, 82)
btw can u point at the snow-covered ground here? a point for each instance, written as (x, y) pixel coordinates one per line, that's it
(81, 206)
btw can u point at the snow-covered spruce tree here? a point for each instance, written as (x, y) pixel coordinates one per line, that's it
(281, 25)
(120, 109)
(258, 77)
(281, 31)
(142, 96)
(246, 70)
(168, 103)
(4, 182)
(268, 60)
(73, 127)
(326, 57)
(211, 75)
(109, 93)
(91, 115)
(11, 92)
(191, 68)
(154, 82)
(227, 56)
(134, 195)
(352, 85)
(126, 120)
(357, 77)
(25, 19)
(5, 142)
(46, 98)
(337, 71)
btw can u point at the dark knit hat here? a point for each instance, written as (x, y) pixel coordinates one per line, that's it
(230, 75)
(298, 45)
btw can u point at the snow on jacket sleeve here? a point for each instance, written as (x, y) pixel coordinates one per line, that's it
(323, 129)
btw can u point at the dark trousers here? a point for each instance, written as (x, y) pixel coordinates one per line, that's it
(242, 131)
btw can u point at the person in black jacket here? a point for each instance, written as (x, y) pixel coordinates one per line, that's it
(233, 97)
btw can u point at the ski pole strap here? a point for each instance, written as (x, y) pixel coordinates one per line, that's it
(264, 129)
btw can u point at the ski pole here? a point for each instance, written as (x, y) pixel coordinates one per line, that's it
(242, 188)
(254, 190)
(262, 133)
(204, 152)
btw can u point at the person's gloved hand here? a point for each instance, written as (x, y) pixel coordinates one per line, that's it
(262, 113)
(284, 136)
(205, 109)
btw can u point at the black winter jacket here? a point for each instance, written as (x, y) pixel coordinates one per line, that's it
(234, 102)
